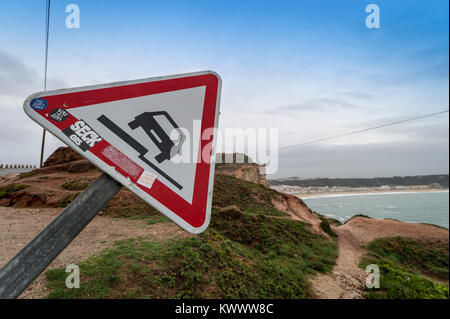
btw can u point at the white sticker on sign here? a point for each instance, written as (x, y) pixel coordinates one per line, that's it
(147, 179)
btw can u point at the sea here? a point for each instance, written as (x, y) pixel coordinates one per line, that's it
(9, 171)
(414, 207)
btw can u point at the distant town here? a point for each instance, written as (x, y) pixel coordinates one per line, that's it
(295, 185)
(336, 189)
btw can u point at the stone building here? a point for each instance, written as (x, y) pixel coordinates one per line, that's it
(241, 166)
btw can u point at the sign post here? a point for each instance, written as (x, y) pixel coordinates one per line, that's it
(154, 136)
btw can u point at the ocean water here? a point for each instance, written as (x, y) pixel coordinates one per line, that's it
(8, 171)
(417, 207)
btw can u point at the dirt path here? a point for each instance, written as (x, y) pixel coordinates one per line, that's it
(19, 226)
(347, 280)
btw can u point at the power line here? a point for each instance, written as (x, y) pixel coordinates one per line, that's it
(47, 27)
(362, 130)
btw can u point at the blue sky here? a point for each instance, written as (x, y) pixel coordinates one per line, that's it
(310, 68)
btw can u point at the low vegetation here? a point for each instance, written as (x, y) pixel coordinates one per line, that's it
(65, 201)
(127, 205)
(403, 264)
(30, 173)
(247, 252)
(6, 190)
(325, 225)
(251, 256)
(334, 221)
(228, 190)
(249, 197)
(76, 184)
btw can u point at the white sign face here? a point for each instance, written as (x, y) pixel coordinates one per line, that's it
(155, 136)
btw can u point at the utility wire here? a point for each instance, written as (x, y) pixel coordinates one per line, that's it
(362, 130)
(47, 27)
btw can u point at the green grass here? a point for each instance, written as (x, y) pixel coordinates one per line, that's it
(6, 190)
(228, 190)
(422, 257)
(76, 184)
(247, 252)
(325, 224)
(127, 205)
(395, 283)
(30, 173)
(334, 221)
(150, 219)
(64, 202)
(249, 197)
(403, 262)
(247, 256)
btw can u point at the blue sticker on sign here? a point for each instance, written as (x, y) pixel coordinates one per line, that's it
(38, 104)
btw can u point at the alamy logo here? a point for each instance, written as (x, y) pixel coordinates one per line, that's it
(373, 19)
(373, 278)
(73, 19)
(73, 280)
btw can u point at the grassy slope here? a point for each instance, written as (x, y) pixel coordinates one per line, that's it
(248, 253)
(402, 263)
(249, 197)
(6, 190)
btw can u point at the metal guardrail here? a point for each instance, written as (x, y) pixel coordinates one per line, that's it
(4, 166)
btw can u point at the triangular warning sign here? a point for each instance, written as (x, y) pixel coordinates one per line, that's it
(156, 136)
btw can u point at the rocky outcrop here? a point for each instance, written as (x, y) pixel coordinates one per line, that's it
(24, 199)
(247, 171)
(241, 166)
(62, 155)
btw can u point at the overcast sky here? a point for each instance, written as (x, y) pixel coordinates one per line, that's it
(312, 69)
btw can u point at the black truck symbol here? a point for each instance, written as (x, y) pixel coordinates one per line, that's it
(149, 123)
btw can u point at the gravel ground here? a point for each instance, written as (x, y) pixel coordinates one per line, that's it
(19, 225)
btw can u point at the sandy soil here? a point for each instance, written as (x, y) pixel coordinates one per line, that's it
(298, 210)
(19, 225)
(347, 280)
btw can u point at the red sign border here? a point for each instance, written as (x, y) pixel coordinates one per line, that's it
(195, 215)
